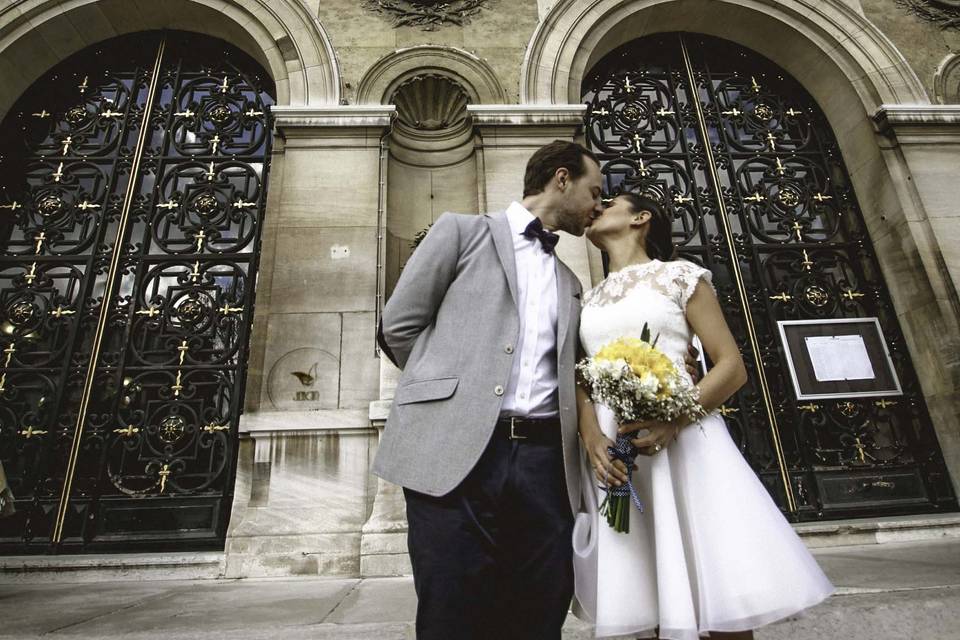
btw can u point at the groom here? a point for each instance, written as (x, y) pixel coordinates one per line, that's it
(482, 435)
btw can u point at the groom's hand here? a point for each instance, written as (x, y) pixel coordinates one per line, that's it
(692, 363)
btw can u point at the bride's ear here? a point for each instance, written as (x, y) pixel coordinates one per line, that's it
(639, 219)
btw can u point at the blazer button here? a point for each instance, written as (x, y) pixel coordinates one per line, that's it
(498, 390)
(508, 348)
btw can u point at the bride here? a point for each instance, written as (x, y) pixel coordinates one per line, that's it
(710, 554)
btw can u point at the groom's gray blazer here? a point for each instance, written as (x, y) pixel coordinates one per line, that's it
(452, 325)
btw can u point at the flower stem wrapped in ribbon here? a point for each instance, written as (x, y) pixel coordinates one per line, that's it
(637, 382)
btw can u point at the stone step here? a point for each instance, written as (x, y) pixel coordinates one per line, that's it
(37, 569)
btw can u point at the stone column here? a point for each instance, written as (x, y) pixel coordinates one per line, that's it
(920, 253)
(304, 487)
(509, 135)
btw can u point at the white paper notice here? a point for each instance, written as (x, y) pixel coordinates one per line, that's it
(839, 358)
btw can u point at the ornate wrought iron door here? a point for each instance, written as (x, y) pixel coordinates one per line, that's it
(752, 173)
(131, 204)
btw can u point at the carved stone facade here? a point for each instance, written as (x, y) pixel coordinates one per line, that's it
(381, 125)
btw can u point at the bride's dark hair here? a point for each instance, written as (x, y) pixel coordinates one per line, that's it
(659, 241)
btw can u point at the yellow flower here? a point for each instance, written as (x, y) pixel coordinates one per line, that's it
(642, 358)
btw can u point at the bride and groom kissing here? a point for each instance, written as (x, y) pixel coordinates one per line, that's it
(498, 449)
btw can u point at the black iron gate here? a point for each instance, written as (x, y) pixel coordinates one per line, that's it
(131, 201)
(751, 171)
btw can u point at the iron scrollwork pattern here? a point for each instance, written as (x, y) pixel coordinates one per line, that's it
(155, 451)
(769, 209)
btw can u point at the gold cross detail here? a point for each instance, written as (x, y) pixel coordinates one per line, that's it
(83, 86)
(128, 431)
(754, 85)
(42, 114)
(183, 348)
(812, 408)
(164, 473)
(792, 112)
(663, 112)
(626, 84)
(636, 141)
(58, 174)
(66, 144)
(861, 450)
(643, 168)
(110, 114)
(756, 197)
(772, 141)
(9, 351)
(725, 410)
(149, 311)
(213, 427)
(602, 112)
(797, 229)
(83, 206)
(223, 87)
(13, 206)
(240, 204)
(196, 271)
(850, 294)
(733, 112)
(185, 114)
(32, 275)
(200, 237)
(783, 297)
(807, 262)
(821, 198)
(29, 432)
(680, 199)
(39, 240)
(251, 113)
(60, 311)
(210, 172)
(216, 142)
(169, 204)
(226, 309)
(177, 388)
(883, 403)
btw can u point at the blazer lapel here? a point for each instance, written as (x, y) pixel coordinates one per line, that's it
(500, 230)
(564, 294)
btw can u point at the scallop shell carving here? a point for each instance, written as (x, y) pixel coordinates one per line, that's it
(431, 103)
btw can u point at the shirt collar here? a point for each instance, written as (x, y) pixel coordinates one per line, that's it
(519, 217)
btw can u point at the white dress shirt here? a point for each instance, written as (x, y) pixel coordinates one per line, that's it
(532, 389)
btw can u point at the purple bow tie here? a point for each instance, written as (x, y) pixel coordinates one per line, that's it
(548, 239)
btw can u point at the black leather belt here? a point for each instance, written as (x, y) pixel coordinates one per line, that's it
(534, 430)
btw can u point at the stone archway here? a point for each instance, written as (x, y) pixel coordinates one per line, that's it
(281, 35)
(895, 145)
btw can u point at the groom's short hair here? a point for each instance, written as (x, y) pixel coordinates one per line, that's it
(545, 161)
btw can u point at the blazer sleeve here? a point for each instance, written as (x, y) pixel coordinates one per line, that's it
(415, 300)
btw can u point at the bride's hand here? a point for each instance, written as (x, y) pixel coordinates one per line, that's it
(607, 471)
(652, 435)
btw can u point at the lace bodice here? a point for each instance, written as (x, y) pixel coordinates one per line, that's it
(654, 292)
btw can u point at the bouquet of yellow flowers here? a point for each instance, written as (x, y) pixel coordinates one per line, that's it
(636, 381)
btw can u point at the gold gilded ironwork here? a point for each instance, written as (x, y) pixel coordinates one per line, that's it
(214, 427)
(83, 86)
(128, 431)
(848, 409)
(754, 85)
(861, 450)
(29, 432)
(58, 173)
(772, 141)
(780, 168)
(681, 199)
(185, 114)
(105, 305)
(150, 311)
(13, 206)
(66, 145)
(807, 262)
(178, 386)
(816, 296)
(168, 205)
(788, 198)
(8, 356)
(798, 229)
(215, 142)
(50, 205)
(602, 112)
(210, 173)
(241, 204)
(663, 112)
(733, 112)
(42, 114)
(110, 114)
(31, 275)
(83, 206)
(196, 271)
(643, 168)
(637, 140)
(783, 297)
(200, 237)
(226, 309)
(811, 408)
(792, 112)
(756, 197)
(739, 279)
(252, 114)
(59, 312)
(39, 240)
(763, 111)
(850, 294)
(225, 86)
(164, 473)
(822, 198)
(883, 403)
(626, 85)
(726, 411)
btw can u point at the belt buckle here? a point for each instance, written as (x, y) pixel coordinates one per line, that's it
(513, 433)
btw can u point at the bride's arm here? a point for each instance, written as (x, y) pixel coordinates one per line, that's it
(728, 373)
(595, 443)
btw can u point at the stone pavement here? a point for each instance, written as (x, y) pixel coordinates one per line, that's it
(894, 590)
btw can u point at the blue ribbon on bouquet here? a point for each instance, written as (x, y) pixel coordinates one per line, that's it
(624, 451)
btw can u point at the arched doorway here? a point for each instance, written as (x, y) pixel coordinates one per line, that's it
(131, 205)
(744, 158)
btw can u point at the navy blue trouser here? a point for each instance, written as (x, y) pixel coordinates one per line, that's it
(492, 560)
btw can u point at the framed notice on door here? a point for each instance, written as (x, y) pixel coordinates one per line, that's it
(843, 358)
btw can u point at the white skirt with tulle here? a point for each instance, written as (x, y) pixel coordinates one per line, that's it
(710, 552)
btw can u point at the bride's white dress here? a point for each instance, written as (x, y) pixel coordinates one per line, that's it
(711, 551)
